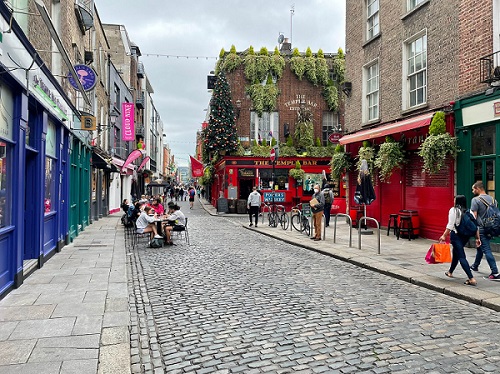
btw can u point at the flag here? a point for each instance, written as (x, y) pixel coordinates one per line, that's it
(270, 134)
(134, 155)
(143, 163)
(196, 167)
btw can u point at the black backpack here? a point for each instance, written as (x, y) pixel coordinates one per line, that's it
(467, 226)
(491, 220)
(328, 197)
(156, 243)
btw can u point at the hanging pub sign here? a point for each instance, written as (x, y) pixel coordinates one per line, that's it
(86, 75)
(334, 137)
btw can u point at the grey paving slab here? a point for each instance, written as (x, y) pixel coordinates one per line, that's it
(49, 354)
(79, 366)
(6, 328)
(83, 341)
(27, 312)
(40, 279)
(112, 319)
(95, 296)
(37, 368)
(87, 325)
(115, 335)
(72, 297)
(80, 309)
(18, 299)
(114, 359)
(43, 328)
(50, 288)
(80, 278)
(117, 304)
(16, 352)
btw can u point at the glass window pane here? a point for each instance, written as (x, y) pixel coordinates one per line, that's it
(483, 141)
(50, 184)
(5, 185)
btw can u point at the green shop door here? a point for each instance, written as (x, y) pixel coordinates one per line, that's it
(484, 170)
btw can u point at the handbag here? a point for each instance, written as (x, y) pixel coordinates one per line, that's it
(442, 252)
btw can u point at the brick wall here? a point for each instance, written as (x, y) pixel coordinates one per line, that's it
(439, 18)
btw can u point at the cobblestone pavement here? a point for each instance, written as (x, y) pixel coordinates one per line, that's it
(235, 301)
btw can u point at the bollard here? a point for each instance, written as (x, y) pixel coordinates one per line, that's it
(361, 220)
(335, 227)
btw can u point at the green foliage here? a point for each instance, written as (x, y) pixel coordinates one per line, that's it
(310, 68)
(366, 152)
(304, 129)
(295, 52)
(263, 63)
(339, 66)
(297, 173)
(297, 64)
(390, 156)
(222, 53)
(232, 61)
(264, 98)
(331, 95)
(436, 149)
(289, 141)
(261, 150)
(309, 52)
(318, 142)
(273, 142)
(220, 134)
(340, 162)
(287, 150)
(322, 71)
(277, 64)
(438, 124)
(250, 61)
(319, 151)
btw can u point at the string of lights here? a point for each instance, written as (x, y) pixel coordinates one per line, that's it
(179, 56)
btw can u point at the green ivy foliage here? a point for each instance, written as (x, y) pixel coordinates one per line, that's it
(366, 152)
(331, 95)
(436, 149)
(389, 156)
(297, 64)
(232, 61)
(340, 162)
(277, 64)
(322, 70)
(438, 124)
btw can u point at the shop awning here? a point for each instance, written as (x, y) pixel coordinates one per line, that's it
(391, 128)
(101, 160)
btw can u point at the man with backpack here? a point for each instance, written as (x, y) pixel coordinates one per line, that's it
(328, 194)
(479, 208)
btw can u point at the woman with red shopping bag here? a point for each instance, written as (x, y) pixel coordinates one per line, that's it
(457, 241)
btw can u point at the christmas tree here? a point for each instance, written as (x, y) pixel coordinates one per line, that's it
(220, 134)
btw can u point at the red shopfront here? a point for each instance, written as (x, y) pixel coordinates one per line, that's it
(409, 188)
(235, 177)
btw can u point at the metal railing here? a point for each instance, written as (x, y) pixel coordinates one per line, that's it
(489, 68)
(364, 219)
(335, 227)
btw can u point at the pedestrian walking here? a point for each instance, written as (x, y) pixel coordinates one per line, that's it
(328, 195)
(192, 194)
(317, 207)
(457, 241)
(253, 205)
(483, 247)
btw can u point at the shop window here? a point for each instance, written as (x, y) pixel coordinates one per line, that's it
(5, 184)
(310, 180)
(330, 125)
(416, 177)
(280, 178)
(483, 141)
(50, 184)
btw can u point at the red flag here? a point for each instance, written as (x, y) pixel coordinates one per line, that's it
(196, 167)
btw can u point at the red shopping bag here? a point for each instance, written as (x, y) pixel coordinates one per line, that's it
(442, 252)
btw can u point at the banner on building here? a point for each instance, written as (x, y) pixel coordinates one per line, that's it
(196, 167)
(134, 155)
(143, 163)
(128, 126)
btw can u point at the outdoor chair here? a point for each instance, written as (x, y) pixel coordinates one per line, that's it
(180, 232)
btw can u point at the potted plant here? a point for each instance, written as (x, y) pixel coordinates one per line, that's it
(340, 162)
(297, 172)
(438, 146)
(389, 156)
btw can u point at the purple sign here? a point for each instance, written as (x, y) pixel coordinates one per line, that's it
(86, 75)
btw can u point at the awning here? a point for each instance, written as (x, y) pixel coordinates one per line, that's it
(101, 160)
(391, 128)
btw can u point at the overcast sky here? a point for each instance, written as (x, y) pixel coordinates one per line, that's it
(199, 29)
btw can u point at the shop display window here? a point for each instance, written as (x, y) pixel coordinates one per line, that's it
(50, 184)
(310, 180)
(280, 179)
(5, 185)
(483, 141)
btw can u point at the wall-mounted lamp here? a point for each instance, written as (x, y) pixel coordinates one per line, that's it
(238, 108)
(346, 88)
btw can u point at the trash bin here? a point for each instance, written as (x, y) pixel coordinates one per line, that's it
(241, 206)
(231, 205)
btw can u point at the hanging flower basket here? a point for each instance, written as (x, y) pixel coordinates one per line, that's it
(389, 157)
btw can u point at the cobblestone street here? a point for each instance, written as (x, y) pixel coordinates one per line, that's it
(235, 301)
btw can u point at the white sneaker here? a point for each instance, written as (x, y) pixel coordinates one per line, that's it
(158, 237)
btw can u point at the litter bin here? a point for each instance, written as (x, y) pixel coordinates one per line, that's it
(231, 205)
(241, 207)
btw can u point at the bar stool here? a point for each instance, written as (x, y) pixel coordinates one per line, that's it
(393, 223)
(405, 226)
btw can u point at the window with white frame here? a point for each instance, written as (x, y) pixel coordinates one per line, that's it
(372, 18)
(416, 71)
(265, 127)
(412, 4)
(330, 125)
(372, 92)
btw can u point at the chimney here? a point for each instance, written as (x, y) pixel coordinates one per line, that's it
(286, 47)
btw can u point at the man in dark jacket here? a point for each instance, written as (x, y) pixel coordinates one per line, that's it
(328, 195)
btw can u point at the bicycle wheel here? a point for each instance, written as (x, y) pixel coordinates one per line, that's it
(285, 221)
(306, 228)
(296, 221)
(272, 219)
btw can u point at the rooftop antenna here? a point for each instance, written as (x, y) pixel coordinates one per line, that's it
(292, 11)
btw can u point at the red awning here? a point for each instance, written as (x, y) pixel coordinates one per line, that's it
(391, 128)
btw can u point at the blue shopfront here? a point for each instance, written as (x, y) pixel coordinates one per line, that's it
(35, 117)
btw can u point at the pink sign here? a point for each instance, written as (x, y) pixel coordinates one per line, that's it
(128, 131)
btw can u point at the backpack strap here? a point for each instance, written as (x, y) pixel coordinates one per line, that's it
(486, 203)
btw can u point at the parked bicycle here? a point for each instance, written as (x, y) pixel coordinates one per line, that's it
(278, 215)
(299, 221)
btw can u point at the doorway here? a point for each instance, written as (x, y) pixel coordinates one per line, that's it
(246, 186)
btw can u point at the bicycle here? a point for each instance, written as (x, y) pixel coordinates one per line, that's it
(278, 215)
(299, 221)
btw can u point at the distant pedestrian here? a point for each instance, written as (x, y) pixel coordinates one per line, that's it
(192, 194)
(458, 242)
(328, 195)
(317, 208)
(478, 207)
(253, 205)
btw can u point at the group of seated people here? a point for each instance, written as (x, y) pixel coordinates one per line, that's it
(145, 217)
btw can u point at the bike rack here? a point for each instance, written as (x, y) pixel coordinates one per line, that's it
(335, 227)
(361, 220)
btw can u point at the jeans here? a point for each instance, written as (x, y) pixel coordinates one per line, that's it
(327, 210)
(254, 211)
(486, 250)
(459, 254)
